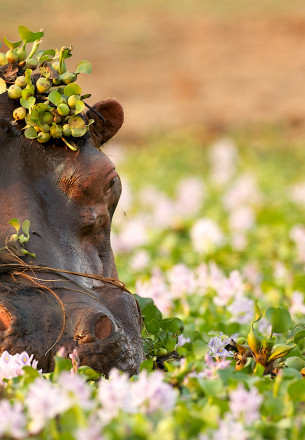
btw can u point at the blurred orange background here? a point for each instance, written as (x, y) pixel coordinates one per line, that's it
(174, 65)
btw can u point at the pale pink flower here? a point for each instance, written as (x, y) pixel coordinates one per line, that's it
(74, 356)
(223, 158)
(156, 289)
(12, 420)
(297, 234)
(229, 429)
(239, 241)
(212, 367)
(241, 310)
(150, 394)
(140, 260)
(76, 389)
(208, 276)
(297, 304)
(44, 401)
(132, 235)
(206, 236)
(114, 395)
(189, 197)
(181, 280)
(241, 219)
(297, 193)
(182, 340)
(93, 432)
(232, 287)
(245, 405)
(243, 192)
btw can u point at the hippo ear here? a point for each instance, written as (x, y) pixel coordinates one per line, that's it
(108, 116)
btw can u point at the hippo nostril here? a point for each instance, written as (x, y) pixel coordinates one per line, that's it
(5, 319)
(103, 328)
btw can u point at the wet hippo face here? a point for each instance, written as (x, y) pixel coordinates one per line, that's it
(70, 198)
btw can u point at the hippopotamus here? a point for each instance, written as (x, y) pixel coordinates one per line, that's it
(69, 295)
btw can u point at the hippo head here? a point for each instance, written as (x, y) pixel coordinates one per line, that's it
(69, 198)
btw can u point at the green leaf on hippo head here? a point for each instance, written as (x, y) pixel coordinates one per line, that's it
(76, 122)
(84, 67)
(79, 106)
(15, 223)
(28, 36)
(72, 89)
(2, 86)
(11, 44)
(26, 227)
(55, 98)
(78, 132)
(28, 103)
(87, 95)
(45, 55)
(71, 145)
(30, 133)
(47, 70)
(279, 318)
(37, 112)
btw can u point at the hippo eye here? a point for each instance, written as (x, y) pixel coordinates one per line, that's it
(110, 185)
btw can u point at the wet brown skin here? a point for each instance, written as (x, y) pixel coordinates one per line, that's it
(69, 198)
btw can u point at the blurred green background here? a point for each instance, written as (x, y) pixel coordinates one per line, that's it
(204, 66)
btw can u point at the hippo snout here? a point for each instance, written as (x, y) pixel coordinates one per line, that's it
(40, 322)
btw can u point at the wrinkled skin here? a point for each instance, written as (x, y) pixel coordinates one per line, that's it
(69, 199)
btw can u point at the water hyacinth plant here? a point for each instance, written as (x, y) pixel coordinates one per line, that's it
(223, 324)
(51, 100)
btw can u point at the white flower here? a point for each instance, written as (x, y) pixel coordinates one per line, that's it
(182, 280)
(241, 219)
(206, 236)
(114, 394)
(245, 404)
(151, 394)
(189, 197)
(232, 287)
(297, 234)
(132, 235)
(243, 192)
(76, 388)
(297, 304)
(297, 193)
(45, 401)
(140, 260)
(230, 429)
(12, 420)
(223, 158)
(241, 310)
(156, 289)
